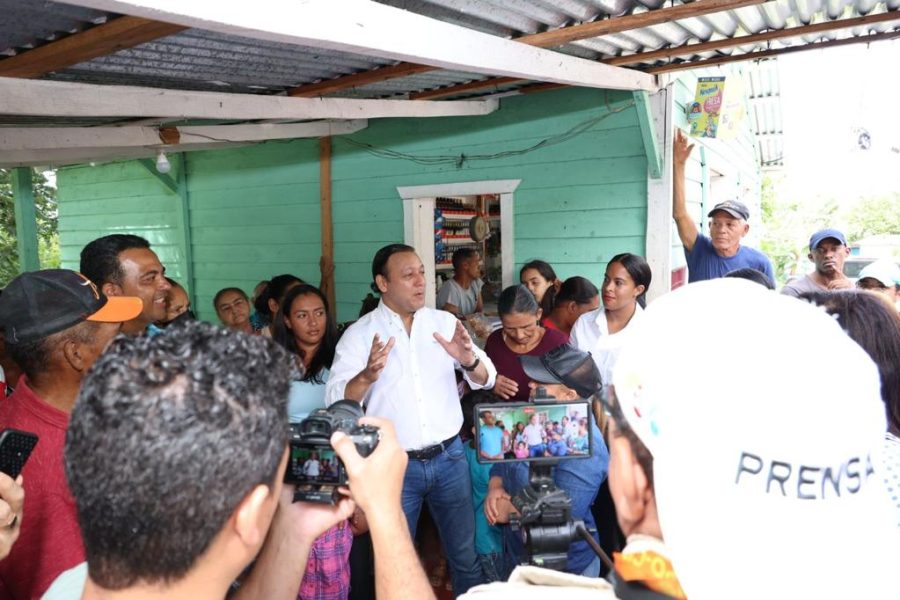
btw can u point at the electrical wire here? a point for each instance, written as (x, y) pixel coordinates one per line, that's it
(461, 159)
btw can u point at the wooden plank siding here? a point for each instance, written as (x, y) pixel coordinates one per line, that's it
(117, 198)
(254, 210)
(579, 203)
(254, 215)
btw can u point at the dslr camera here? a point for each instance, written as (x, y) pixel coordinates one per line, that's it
(313, 465)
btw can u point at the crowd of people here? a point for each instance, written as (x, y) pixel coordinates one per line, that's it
(740, 442)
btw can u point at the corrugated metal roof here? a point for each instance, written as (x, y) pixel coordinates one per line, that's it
(763, 90)
(201, 60)
(26, 24)
(197, 59)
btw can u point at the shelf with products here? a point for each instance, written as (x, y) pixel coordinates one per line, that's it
(458, 215)
(452, 218)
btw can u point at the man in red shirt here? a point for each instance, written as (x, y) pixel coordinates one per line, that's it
(57, 323)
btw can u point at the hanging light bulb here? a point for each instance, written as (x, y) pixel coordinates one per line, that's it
(162, 163)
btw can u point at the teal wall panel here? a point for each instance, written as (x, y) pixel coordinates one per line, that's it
(254, 215)
(117, 198)
(254, 211)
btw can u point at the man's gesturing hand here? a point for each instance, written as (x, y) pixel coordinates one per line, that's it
(378, 356)
(505, 387)
(460, 347)
(681, 149)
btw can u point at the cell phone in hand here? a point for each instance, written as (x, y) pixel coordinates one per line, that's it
(15, 448)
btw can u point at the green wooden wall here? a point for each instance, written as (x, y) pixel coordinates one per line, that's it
(254, 210)
(579, 203)
(117, 198)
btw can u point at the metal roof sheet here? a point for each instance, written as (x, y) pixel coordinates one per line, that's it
(202, 60)
(26, 24)
(763, 90)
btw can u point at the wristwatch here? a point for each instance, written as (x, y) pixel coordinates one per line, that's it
(472, 367)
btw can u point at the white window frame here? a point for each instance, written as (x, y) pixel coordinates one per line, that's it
(418, 222)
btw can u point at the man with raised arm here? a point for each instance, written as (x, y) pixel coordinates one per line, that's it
(714, 256)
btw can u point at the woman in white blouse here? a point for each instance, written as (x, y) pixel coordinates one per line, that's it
(603, 331)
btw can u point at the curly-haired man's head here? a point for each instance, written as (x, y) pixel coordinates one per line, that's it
(173, 442)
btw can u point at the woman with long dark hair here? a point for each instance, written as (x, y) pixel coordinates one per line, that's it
(521, 334)
(540, 279)
(602, 331)
(268, 303)
(305, 327)
(576, 296)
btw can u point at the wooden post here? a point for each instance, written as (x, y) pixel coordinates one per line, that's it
(326, 223)
(26, 220)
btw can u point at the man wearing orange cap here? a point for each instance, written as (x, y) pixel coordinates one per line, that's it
(57, 323)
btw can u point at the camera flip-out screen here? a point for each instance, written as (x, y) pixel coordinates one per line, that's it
(524, 431)
(313, 465)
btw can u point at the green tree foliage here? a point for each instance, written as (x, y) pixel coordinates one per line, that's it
(875, 216)
(787, 225)
(46, 209)
(788, 221)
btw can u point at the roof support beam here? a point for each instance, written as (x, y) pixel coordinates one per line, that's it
(77, 156)
(64, 99)
(766, 36)
(649, 134)
(164, 178)
(367, 27)
(697, 64)
(683, 50)
(548, 39)
(37, 138)
(362, 78)
(112, 36)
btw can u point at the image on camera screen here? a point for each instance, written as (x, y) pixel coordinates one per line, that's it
(313, 465)
(532, 432)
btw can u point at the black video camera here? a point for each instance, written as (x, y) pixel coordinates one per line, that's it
(313, 465)
(541, 433)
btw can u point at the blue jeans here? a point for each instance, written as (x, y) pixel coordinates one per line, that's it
(492, 567)
(443, 482)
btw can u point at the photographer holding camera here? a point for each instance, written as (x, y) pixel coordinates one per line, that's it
(581, 479)
(175, 456)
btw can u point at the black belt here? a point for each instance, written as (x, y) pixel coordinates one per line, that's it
(429, 452)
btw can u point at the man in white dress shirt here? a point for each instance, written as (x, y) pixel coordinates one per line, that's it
(400, 361)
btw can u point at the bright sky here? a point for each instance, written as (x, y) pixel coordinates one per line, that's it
(827, 95)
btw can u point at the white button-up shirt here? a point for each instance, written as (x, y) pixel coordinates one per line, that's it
(591, 334)
(417, 387)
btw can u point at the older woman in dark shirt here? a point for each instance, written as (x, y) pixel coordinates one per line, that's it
(521, 334)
